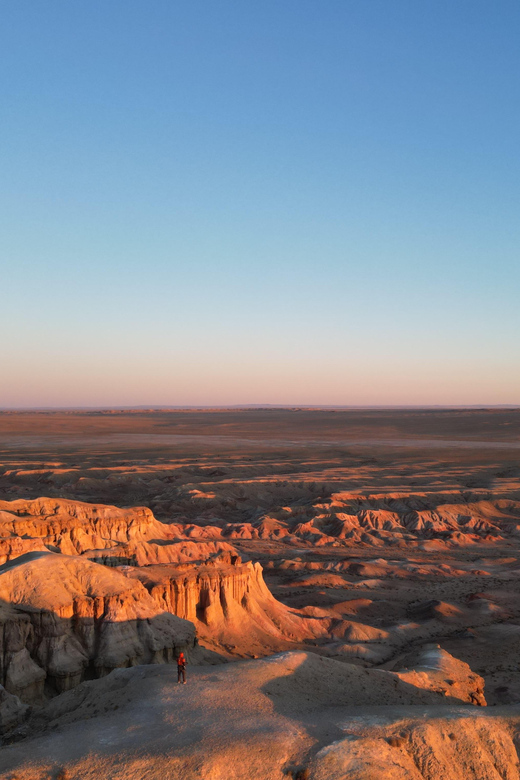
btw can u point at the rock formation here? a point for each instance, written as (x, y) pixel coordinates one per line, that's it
(166, 571)
(66, 617)
(229, 603)
(12, 711)
(432, 668)
(134, 536)
(74, 526)
(107, 534)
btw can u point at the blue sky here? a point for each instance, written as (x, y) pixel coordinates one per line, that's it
(274, 202)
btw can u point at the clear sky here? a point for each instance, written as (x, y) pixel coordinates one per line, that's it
(281, 201)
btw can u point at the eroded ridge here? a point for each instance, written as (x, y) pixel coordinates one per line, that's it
(345, 612)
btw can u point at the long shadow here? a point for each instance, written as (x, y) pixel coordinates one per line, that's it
(325, 695)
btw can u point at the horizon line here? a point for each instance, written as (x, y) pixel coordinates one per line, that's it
(238, 407)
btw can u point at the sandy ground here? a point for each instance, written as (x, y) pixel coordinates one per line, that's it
(260, 720)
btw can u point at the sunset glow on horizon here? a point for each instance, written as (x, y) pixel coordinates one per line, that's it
(277, 203)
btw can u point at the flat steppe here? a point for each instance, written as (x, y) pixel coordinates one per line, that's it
(360, 451)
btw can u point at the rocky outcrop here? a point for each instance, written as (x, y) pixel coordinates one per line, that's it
(12, 711)
(432, 668)
(64, 618)
(452, 745)
(264, 720)
(229, 603)
(399, 519)
(67, 617)
(148, 553)
(14, 546)
(232, 608)
(105, 534)
(396, 519)
(133, 536)
(72, 527)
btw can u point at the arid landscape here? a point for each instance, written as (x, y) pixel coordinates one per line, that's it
(345, 585)
(260, 390)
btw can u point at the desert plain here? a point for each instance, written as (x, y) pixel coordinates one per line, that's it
(345, 585)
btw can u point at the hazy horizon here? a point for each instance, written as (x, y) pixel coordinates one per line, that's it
(245, 407)
(284, 204)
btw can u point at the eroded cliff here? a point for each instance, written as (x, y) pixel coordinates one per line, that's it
(64, 618)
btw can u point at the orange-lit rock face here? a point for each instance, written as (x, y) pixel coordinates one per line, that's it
(230, 606)
(432, 668)
(107, 534)
(73, 526)
(189, 575)
(392, 519)
(406, 519)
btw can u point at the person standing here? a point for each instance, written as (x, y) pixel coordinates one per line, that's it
(181, 669)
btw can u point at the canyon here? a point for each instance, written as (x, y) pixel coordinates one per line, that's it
(344, 584)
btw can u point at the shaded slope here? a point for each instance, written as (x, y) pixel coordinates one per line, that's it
(250, 720)
(62, 617)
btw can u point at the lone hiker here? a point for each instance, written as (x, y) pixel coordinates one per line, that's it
(181, 669)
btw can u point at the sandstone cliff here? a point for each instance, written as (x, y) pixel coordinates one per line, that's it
(72, 526)
(232, 608)
(229, 603)
(66, 617)
(107, 534)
